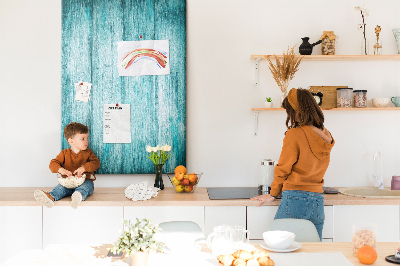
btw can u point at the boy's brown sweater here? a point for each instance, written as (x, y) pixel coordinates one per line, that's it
(71, 161)
(303, 161)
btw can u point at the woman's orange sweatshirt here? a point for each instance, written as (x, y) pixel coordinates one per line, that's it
(303, 161)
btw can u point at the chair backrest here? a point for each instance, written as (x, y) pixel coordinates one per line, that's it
(304, 230)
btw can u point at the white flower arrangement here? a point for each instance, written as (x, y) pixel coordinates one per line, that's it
(159, 154)
(138, 237)
(364, 13)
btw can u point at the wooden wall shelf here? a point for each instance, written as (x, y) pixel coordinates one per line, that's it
(333, 109)
(336, 57)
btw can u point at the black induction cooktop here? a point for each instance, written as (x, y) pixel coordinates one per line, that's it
(225, 193)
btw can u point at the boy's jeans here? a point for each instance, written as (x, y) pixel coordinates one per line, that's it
(306, 205)
(86, 189)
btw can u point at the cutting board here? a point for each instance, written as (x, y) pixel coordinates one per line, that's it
(329, 98)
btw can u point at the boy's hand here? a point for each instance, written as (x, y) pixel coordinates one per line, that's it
(263, 198)
(63, 171)
(80, 171)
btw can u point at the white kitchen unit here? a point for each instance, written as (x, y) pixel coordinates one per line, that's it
(386, 217)
(259, 219)
(218, 215)
(85, 225)
(159, 214)
(20, 229)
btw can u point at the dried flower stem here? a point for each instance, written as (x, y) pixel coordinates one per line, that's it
(283, 72)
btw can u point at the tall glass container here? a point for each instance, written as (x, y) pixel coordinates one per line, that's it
(360, 98)
(266, 176)
(344, 97)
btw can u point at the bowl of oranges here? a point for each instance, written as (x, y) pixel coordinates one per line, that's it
(183, 181)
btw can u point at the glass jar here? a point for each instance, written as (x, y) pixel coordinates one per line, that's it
(266, 176)
(344, 97)
(364, 234)
(360, 98)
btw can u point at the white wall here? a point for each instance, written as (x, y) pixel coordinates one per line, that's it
(221, 36)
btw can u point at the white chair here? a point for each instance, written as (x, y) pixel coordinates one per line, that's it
(178, 234)
(304, 230)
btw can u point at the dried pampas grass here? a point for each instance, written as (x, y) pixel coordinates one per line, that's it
(283, 71)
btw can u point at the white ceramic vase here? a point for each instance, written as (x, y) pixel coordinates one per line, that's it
(268, 104)
(139, 258)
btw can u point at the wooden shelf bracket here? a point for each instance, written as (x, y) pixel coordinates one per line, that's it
(256, 66)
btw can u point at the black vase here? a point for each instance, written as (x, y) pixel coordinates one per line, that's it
(306, 48)
(159, 181)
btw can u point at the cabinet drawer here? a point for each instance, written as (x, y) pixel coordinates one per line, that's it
(386, 217)
(218, 215)
(85, 225)
(20, 229)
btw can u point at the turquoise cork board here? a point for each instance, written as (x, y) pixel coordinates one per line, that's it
(91, 30)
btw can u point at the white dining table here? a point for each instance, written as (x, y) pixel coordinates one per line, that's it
(87, 255)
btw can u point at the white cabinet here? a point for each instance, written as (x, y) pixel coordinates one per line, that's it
(85, 225)
(218, 215)
(20, 229)
(386, 217)
(259, 219)
(159, 214)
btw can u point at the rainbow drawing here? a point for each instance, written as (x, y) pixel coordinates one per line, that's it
(144, 53)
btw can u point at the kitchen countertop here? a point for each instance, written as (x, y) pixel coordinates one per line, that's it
(23, 196)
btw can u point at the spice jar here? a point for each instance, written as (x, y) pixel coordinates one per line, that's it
(344, 97)
(360, 98)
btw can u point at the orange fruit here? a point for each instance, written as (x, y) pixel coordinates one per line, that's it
(180, 168)
(367, 255)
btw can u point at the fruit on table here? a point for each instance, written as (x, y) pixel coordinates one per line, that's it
(175, 181)
(192, 178)
(179, 175)
(189, 188)
(185, 182)
(179, 188)
(180, 168)
(367, 255)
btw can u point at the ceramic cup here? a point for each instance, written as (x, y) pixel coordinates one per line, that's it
(380, 102)
(395, 183)
(396, 101)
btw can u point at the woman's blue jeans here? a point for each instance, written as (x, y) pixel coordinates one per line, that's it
(86, 189)
(306, 205)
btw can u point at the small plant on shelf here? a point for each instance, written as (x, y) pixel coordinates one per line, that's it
(268, 102)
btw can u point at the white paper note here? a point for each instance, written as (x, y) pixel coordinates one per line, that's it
(82, 91)
(117, 123)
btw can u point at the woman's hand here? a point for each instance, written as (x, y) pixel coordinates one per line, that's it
(263, 198)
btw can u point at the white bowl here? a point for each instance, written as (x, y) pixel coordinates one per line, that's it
(279, 240)
(72, 181)
(380, 102)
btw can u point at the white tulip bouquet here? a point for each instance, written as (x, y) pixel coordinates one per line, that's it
(159, 154)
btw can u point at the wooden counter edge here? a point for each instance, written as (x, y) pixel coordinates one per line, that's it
(23, 196)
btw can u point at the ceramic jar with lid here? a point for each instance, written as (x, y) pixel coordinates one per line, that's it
(344, 97)
(360, 98)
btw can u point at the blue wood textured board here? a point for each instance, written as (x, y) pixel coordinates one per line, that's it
(90, 32)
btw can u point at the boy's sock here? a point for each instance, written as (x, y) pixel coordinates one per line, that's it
(44, 198)
(76, 199)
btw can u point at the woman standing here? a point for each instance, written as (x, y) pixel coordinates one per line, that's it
(299, 174)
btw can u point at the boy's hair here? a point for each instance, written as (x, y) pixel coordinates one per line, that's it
(309, 113)
(74, 128)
